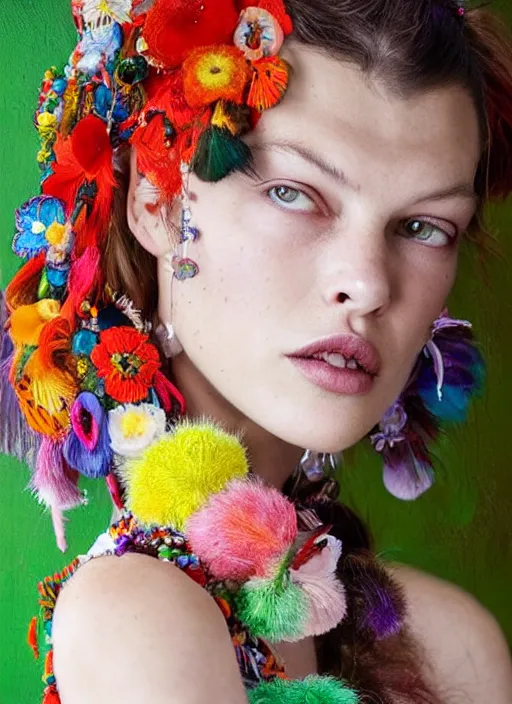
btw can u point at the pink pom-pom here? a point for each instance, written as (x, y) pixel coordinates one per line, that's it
(243, 530)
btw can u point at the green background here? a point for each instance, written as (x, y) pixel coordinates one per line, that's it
(460, 530)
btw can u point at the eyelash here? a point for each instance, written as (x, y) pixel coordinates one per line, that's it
(274, 198)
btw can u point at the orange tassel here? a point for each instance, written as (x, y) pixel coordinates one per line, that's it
(22, 290)
(32, 637)
(51, 696)
(269, 83)
(48, 664)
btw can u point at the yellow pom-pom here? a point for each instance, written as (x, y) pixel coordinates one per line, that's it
(176, 474)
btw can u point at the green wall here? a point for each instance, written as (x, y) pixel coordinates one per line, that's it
(460, 530)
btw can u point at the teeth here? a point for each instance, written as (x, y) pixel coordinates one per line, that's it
(338, 360)
(335, 360)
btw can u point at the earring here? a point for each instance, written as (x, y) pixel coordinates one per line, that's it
(318, 465)
(168, 340)
(184, 267)
(448, 372)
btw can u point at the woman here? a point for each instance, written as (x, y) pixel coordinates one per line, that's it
(297, 263)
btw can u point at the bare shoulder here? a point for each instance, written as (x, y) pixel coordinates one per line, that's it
(130, 626)
(469, 658)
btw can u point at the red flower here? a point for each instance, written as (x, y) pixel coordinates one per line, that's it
(174, 27)
(127, 361)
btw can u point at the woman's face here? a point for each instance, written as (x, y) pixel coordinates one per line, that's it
(352, 226)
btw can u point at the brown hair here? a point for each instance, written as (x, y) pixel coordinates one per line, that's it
(410, 46)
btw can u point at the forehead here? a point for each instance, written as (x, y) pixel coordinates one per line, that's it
(335, 108)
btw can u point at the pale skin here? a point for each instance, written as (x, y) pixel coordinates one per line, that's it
(320, 243)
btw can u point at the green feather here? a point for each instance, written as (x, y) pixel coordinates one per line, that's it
(271, 609)
(312, 690)
(219, 153)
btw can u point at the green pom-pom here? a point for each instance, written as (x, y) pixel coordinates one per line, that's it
(272, 610)
(219, 153)
(312, 690)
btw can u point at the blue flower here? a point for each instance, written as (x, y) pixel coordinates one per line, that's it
(33, 219)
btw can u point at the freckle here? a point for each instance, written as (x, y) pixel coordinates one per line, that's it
(225, 299)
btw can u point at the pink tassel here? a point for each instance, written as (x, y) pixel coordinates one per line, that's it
(82, 278)
(52, 481)
(325, 592)
(59, 529)
(167, 392)
(243, 530)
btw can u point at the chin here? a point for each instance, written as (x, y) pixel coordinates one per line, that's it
(329, 431)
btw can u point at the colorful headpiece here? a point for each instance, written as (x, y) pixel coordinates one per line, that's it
(182, 81)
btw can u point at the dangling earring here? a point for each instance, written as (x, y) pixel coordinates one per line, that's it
(318, 465)
(184, 267)
(448, 372)
(168, 340)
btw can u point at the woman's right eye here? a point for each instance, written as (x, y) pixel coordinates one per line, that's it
(293, 199)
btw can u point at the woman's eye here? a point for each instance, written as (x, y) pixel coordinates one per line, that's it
(290, 198)
(425, 232)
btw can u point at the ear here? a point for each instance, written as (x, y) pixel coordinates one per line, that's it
(148, 218)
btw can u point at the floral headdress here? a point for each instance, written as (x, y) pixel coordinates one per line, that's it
(182, 82)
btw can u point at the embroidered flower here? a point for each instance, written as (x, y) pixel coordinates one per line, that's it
(127, 361)
(132, 428)
(35, 220)
(87, 447)
(215, 73)
(97, 13)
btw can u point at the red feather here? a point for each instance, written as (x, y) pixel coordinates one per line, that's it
(84, 157)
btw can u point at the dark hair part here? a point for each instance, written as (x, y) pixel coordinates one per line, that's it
(409, 46)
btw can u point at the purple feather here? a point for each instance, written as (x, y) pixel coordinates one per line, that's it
(17, 438)
(408, 472)
(381, 615)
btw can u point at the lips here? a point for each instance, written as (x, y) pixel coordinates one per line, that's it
(353, 374)
(350, 346)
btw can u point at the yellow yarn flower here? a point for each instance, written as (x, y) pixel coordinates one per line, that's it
(215, 73)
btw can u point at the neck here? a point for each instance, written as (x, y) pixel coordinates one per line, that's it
(270, 457)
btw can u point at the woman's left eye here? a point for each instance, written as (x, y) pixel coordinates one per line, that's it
(426, 232)
(290, 198)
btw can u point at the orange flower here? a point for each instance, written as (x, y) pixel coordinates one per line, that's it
(127, 361)
(215, 73)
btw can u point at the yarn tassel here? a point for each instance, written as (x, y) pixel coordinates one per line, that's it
(59, 528)
(32, 636)
(82, 279)
(17, 438)
(53, 482)
(168, 394)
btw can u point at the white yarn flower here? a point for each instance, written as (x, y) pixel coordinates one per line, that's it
(133, 427)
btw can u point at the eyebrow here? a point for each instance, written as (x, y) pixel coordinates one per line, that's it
(464, 189)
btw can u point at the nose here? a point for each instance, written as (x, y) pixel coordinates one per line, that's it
(358, 272)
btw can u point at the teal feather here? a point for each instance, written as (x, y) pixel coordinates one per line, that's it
(219, 153)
